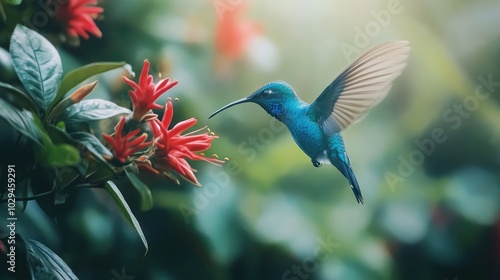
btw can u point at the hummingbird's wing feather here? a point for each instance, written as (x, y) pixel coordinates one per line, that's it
(361, 86)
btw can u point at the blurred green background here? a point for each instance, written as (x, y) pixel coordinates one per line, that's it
(427, 158)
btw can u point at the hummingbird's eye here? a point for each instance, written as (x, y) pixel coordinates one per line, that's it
(266, 93)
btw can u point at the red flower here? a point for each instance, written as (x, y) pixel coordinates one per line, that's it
(233, 34)
(173, 147)
(146, 93)
(78, 16)
(125, 146)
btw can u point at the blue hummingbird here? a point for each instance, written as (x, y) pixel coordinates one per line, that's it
(316, 127)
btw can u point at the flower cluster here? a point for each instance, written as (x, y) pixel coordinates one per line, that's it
(77, 17)
(173, 147)
(170, 148)
(145, 93)
(124, 146)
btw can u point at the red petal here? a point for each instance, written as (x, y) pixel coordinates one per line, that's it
(168, 114)
(143, 78)
(155, 106)
(110, 140)
(119, 129)
(182, 126)
(155, 128)
(137, 140)
(163, 86)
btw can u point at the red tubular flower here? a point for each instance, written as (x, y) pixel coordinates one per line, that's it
(233, 34)
(126, 145)
(78, 16)
(173, 147)
(145, 93)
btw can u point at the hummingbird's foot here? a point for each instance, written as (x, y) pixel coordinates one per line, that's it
(316, 164)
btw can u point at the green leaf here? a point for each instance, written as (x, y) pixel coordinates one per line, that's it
(91, 143)
(144, 191)
(37, 65)
(44, 263)
(59, 136)
(13, 2)
(20, 98)
(22, 121)
(122, 204)
(57, 154)
(77, 96)
(99, 172)
(78, 75)
(93, 110)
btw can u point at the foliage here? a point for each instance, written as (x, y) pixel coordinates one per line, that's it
(66, 155)
(426, 157)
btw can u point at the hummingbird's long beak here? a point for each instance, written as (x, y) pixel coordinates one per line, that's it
(243, 100)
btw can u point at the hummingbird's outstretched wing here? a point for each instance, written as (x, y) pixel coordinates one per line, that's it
(361, 86)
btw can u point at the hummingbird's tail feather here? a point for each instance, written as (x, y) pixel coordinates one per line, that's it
(342, 163)
(354, 184)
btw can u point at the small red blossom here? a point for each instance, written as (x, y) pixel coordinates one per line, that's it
(77, 17)
(126, 145)
(233, 34)
(145, 93)
(174, 148)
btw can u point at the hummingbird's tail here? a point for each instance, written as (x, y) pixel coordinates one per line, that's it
(342, 163)
(349, 174)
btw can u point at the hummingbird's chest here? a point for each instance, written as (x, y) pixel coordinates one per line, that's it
(309, 137)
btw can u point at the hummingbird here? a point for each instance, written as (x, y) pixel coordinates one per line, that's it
(316, 127)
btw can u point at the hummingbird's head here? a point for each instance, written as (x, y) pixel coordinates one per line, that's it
(272, 97)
